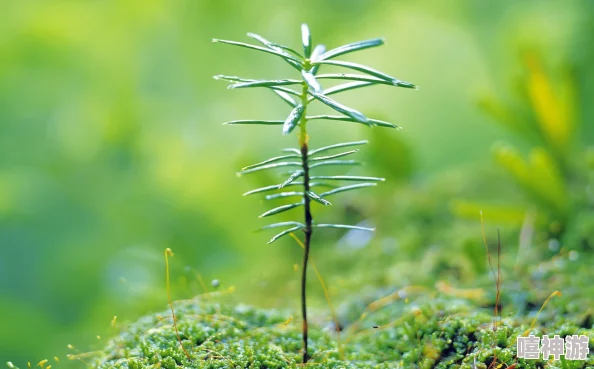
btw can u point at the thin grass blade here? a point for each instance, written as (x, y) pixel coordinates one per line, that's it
(280, 209)
(337, 146)
(293, 119)
(355, 46)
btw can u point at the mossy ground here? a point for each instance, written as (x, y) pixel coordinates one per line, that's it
(425, 332)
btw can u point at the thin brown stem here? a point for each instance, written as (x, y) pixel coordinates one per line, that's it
(308, 231)
(308, 222)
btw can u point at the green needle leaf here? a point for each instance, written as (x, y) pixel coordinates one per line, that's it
(334, 162)
(306, 40)
(344, 226)
(368, 70)
(333, 156)
(356, 78)
(356, 115)
(347, 188)
(280, 209)
(292, 60)
(293, 177)
(293, 119)
(292, 149)
(275, 187)
(316, 53)
(274, 45)
(355, 46)
(370, 122)
(284, 233)
(286, 97)
(349, 178)
(263, 122)
(271, 160)
(346, 87)
(270, 83)
(271, 166)
(270, 188)
(317, 198)
(336, 146)
(311, 81)
(283, 194)
(281, 224)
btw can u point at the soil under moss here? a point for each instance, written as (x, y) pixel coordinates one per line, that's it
(428, 332)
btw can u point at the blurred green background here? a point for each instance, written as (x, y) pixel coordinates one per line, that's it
(111, 147)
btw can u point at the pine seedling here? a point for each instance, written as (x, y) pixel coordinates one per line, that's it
(304, 162)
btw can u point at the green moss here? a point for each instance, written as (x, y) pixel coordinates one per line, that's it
(430, 332)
